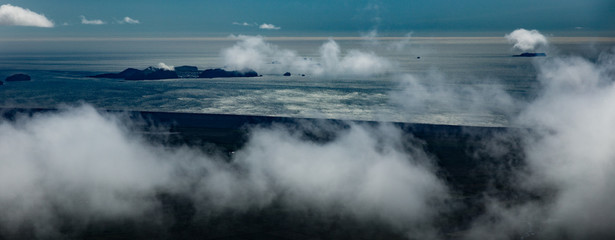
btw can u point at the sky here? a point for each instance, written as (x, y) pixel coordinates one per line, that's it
(183, 18)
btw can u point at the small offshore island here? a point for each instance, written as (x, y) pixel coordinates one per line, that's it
(154, 73)
(530, 54)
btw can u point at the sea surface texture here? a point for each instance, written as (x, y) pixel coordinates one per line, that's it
(442, 80)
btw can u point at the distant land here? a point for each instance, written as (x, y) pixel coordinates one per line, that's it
(154, 73)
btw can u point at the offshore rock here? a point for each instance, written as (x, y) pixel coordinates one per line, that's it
(287, 74)
(221, 73)
(528, 54)
(18, 77)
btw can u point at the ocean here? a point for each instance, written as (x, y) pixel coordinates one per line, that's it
(83, 173)
(59, 69)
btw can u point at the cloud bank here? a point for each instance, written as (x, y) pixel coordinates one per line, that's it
(91, 22)
(16, 16)
(570, 157)
(525, 40)
(563, 189)
(254, 52)
(52, 162)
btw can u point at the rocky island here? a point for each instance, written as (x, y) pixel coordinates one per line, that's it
(154, 73)
(529, 54)
(18, 77)
(221, 73)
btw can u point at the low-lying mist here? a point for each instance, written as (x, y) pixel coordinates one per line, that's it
(570, 156)
(80, 165)
(255, 53)
(467, 104)
(563, 189)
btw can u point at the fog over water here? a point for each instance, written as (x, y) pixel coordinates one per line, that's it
(341, 74)
(561, 104)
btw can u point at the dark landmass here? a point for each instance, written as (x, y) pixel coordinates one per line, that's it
(153, 73)
(18, 77)
(150, 73)
(287, 74)
(456, 148)
(128, 73)
(187, 71)
(528, 54)
(221, 73)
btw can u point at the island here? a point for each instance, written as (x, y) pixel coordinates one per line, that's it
(18, 77)
(528, 54)
(221, 73)
(154, 73)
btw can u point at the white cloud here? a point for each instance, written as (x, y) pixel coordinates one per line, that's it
(91, 22)
(165, 67)
(269, 26)
(525, 40)
(16, 16)
(256, 53)
(243, 24)
(130, 20)
(569, 158)
(49, 163)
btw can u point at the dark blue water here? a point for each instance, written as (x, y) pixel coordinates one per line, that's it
(59, 69)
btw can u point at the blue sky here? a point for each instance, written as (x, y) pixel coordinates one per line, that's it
(183, 18)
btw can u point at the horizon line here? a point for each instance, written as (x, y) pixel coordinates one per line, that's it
(315, 38)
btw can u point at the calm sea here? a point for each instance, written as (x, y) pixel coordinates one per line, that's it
(59, 68)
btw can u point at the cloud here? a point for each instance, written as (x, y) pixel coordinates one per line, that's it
(16, 16)
(569, 155)
(401, 44)
(363, 172)
(129, 20)
(525, 40)
(165, 67)
(371, 36)
(243, 24)
(268, 26)
(256, 53)
(91, 22)
(52, 162)
(559, 185)
(579, 150)
(435, 94)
